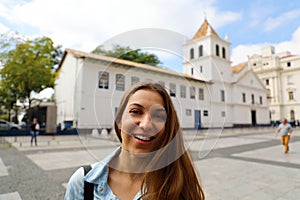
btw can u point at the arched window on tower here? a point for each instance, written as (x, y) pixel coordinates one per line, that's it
(200, 50)
(192, 53)
(217, 50)
(223, 52)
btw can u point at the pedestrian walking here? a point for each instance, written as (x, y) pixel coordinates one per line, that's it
(151, 162)
(34, 131)
(285, 129)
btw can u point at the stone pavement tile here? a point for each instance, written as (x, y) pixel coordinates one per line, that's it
(10, 196)
(236, 179)
(275, 153)
(65, 142)
(67, 159)
(61, 160)
(3, 169)
(215, 143)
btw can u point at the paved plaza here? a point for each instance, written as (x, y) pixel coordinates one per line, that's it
(233, 164)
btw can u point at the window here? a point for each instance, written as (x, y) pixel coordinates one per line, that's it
(291, 95)
(292, 115)
(201, 94)
(223, 52)
(222, 95)
(172, 90)
(289, 80)
(192, 92)
(120, 82)
(182, 91)
(205, 113)
(288, 64)
(103, 80)
(269, 94)
(192, 71)
(265, 64)
(252, 99)
(267, 82)
(192, 53)
(200, 69)
(188, 112)
(223, 114)
(260, 100)
(200, 50)
(161, 83)
(134, 80)
(116, 110)
(244, 98)
(217, 50)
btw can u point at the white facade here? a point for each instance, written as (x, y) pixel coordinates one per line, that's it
(80, 99)
(208, 94)
(280, 73)
(207, 57)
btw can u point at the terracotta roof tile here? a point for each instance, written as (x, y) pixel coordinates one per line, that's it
(202, 31)
(125, 62)
(239, 67)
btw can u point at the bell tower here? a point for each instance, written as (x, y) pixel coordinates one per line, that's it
(207, 56)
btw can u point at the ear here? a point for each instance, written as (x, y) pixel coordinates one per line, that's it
(119, 124)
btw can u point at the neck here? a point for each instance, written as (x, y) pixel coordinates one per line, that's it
(130, 163)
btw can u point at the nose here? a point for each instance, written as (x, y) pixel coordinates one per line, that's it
(146, 122)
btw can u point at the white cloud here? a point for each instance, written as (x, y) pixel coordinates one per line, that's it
(292, 45)
(3, 28)
(284, 18)
(239, 54)
(87, 23)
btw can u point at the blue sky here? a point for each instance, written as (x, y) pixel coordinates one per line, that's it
(85, 24)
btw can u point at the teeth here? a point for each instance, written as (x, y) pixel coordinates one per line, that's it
(141, 137)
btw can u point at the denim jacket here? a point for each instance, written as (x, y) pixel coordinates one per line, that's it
(98, 175)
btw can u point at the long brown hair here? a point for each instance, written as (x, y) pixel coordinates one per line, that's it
(178, 179)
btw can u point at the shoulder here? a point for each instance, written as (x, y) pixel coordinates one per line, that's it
(75, 188)
(99, 172)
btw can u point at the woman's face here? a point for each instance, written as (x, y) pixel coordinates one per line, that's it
(143, 122)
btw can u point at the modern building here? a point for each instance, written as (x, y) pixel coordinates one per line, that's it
(209, 92)
(280, 73)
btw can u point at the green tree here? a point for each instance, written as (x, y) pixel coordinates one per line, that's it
(7, 99)
(127, 53)
(27, 65)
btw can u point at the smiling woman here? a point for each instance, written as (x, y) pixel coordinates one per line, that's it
(152, 162)
(143, 121)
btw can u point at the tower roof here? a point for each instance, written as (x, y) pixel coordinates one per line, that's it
(204, 29)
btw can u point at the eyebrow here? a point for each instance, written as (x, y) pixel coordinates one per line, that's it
(136, 104)
(139, 105)
(160, 110)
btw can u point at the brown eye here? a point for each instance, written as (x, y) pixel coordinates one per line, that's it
(135, 111)
(161, 116)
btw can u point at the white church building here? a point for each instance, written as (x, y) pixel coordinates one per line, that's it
(208, 93)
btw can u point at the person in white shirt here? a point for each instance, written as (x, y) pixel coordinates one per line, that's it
(285, 130)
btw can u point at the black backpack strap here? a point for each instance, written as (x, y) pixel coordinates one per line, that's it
(88, 187)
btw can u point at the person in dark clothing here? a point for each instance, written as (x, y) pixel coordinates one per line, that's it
(35, 127)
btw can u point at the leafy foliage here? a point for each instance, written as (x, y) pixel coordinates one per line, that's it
(127, 53)
(27, 66)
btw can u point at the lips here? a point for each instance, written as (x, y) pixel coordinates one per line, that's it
(143, 137)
